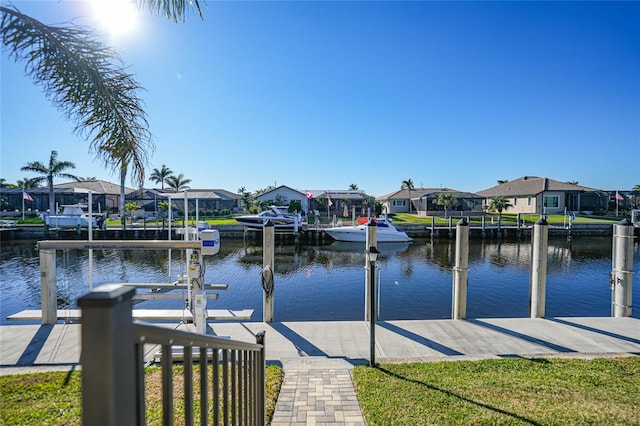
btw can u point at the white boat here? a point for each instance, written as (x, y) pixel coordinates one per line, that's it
(278, 215)
(72, 216)
(385, 232)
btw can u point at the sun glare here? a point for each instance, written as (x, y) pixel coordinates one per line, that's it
(115, 17)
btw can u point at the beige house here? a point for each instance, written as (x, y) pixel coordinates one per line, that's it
(424, 201)
(532, 194)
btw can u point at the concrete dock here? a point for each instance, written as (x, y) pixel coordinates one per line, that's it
(317, 356)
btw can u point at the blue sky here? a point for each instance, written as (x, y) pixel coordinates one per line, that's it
(319, 95)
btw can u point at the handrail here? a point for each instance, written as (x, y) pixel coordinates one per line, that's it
(113, 368)
(166, 336)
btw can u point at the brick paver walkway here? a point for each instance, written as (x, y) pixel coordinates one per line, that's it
(317, 397)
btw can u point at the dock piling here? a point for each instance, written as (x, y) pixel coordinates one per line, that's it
(622, 273)
(538, 285)
(460, 270)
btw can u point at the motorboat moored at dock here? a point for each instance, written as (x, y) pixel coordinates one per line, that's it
(72, 216)
(385, 232)
(278, 215)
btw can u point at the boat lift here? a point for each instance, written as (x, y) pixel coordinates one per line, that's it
(196, 310)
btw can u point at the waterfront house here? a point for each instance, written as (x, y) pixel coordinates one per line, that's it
(325, 201)
(105, 196)
(424, 201)
(208, 200)
(532, 194)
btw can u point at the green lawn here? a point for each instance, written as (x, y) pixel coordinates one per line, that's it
(508, 391)
(398, 218)
(507, 219)
(513, 391)
(54, 398)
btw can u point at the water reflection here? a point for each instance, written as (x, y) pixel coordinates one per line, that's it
(326, 281)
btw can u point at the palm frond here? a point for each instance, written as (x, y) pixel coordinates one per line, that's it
(175, 10)
(87, 82)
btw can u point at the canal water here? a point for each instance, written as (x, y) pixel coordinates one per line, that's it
(326, 281)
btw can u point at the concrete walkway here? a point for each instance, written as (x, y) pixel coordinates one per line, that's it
(317, 356)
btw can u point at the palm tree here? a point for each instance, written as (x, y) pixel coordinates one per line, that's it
(27, 183)
(353, 187)
(447, 200)
(501, 181)
(88, 83)
(159, 176)
(498, 204)
(178, 183)
(54, 169)
(408, 184)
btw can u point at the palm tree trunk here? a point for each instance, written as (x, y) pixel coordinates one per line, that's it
(52, 200)
(123, 219)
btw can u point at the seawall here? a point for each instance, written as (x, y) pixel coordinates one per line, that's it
(238, 232)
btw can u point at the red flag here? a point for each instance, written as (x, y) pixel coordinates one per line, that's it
(619, 197)
(309, 195)
(26, 196)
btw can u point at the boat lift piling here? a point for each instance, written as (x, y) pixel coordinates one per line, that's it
(460, 271)
(622, 272)
(538, 284)
(268, 267)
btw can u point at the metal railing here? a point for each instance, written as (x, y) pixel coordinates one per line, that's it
(231, 377)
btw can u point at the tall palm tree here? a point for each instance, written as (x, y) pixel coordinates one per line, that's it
(178, 183)
(88, 83)
(53, 170)
(447, 200)
(408, 184)
(159, 176)
(353, 186)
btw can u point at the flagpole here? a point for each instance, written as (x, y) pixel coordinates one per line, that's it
(23, 205)
(617, 203)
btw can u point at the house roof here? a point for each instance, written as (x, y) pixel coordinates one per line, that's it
(265, 195)
(532, 185)
(202, 194)
(96, 186)
(401, 194)
(348, 194)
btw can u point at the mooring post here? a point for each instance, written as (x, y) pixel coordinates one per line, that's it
(108, 356)
(460, 270)
(622, 273)
(268, 267)
(48, 297)
(537, 293)
(371, 239)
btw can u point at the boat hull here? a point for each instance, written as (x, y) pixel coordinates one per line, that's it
(359, 234)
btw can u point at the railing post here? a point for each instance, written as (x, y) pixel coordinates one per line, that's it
(538, 285)
(48, 299)
(622, 273)
(460, 270)
(261, 374)
(108, 357)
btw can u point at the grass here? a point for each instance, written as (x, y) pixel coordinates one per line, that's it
(398, 218)
(513, 391)
(54, 398)
(507, 219)
(510, 391)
